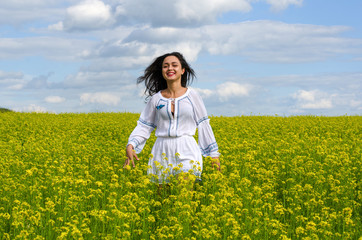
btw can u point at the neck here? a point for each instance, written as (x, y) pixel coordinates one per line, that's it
(174, 88)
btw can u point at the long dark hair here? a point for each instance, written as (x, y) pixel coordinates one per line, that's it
(154, 80)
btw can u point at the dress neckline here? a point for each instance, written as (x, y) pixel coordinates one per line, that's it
(183, 95)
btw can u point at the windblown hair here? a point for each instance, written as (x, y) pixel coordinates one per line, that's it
(154, 80)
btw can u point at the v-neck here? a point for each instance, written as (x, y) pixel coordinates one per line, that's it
(170, 99)
(173, 115)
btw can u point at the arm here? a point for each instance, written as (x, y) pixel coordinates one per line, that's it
(207, 142)
(139, 136)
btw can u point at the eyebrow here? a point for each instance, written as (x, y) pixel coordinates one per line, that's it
(171, 63)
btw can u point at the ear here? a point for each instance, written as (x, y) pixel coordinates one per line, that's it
(183, 71)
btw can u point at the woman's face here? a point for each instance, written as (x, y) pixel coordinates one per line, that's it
(172, 69)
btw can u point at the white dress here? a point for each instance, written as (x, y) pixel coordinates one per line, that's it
(175, 148)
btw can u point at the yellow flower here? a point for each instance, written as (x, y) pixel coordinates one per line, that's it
(151, 219)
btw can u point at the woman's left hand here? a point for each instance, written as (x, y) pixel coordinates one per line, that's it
(216, 161)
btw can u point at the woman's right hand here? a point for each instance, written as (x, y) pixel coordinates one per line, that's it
(131, 154)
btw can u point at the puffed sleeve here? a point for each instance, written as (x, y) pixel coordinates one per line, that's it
(207, 140)
(145, 125)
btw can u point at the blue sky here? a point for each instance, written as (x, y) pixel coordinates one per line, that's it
(259, 57)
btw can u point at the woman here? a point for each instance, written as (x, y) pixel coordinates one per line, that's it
(175, 111)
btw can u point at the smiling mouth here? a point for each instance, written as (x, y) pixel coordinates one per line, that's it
(170, 74)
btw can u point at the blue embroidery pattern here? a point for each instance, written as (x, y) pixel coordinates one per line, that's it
(201, 120)
(159, 107)
(211, 148)
(147, 123)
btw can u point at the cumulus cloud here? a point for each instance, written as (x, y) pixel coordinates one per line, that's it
(32, 108)
(176, 13)
(105, 98)
(313, 99)
(87, 15)
(229, 90)
(206, 11)
(205, 93)
(57, 26)
(226, 91)
(80, 15)
(259, 41)
(270, 41)
(54, 99)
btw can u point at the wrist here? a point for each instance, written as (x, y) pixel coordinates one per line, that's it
(130, 146)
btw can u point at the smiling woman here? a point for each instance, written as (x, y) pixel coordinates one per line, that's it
(176, 111)
(154, 77)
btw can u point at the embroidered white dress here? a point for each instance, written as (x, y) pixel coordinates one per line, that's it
(175, 148)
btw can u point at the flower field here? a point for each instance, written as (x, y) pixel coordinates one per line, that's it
(62, 177)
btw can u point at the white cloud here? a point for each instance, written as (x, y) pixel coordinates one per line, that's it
(54, 99)
(97, 14)
(208, 10)
(356, 103)
(10, 76)
(320, 104)
(88, 78)
(16, 14)
(32, 108)
(87, 15)
(176, 13)
(205, 93)
(259, 41)
(124, 36)
(270, 41)
(100, 98)
(12, 80)
(57, 26)
(54, 48)
(308, 96)
(228, 90)
(313, 99)
(278, 5)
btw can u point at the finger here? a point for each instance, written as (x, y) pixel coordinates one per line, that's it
(126, 163)
(133, 163)
(217, 165)
(134, 154)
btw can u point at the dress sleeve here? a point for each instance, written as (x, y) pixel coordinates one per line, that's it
(145, 125)
(207, 140)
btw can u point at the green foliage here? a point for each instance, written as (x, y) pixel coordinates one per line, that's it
(4, 110)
